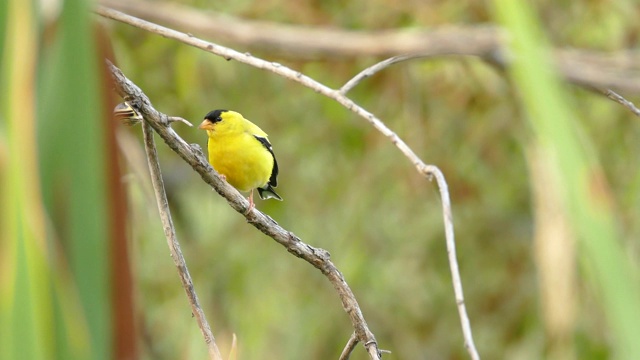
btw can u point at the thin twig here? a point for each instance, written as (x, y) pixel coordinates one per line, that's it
(349, 347)
(319, 258)
(618, 98)
(428, 171)
(368, 72)
(453, 262)
(179, 119)
(371, 70)
(172, 241)
(127, 115)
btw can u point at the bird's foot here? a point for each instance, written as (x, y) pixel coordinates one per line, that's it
(251, 207)
(251, 204)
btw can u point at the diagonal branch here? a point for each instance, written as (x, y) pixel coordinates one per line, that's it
(319, 258)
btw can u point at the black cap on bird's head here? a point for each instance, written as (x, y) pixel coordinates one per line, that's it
(211, 118)
(214, 115)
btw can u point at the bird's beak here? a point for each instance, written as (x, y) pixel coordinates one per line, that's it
(206, 125)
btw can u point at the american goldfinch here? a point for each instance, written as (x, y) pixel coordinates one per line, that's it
(240, 152)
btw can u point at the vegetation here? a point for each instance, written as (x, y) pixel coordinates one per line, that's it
(346, 189)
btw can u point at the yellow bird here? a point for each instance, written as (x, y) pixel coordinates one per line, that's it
(240, 152)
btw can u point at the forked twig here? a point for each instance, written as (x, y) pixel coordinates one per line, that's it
(319, 258)
(581, 75)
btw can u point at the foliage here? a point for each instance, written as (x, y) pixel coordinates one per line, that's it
(346, 189)
(56, 290)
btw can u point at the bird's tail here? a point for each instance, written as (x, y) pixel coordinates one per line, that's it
(267, 192)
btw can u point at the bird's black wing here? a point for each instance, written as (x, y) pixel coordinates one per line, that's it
(273, 180)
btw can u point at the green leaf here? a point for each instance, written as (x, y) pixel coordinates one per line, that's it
(73, 165)
(557, 130)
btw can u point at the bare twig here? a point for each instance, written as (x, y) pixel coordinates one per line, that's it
(172, 241)
(349, 347)
(619, 70)
(371, 70)
(319, 258)
(126, 114)
(618, 98)
(179, 119)
(428, 171)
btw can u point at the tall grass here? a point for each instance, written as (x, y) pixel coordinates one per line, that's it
(591, 212)
(54, 225)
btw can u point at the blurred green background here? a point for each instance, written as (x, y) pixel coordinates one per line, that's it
(347, 189)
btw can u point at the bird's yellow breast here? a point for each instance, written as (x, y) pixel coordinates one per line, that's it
(241, 158)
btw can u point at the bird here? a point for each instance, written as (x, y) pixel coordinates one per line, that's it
(240, 152)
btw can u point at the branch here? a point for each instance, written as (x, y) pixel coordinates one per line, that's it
(371, 70)
(309, 42)
(192, 154)
(588, 69)
(619, 71)
(127, 115)
(320, 258)
(349, 347)
(624, 102)
(453, 262)
(172, 240)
